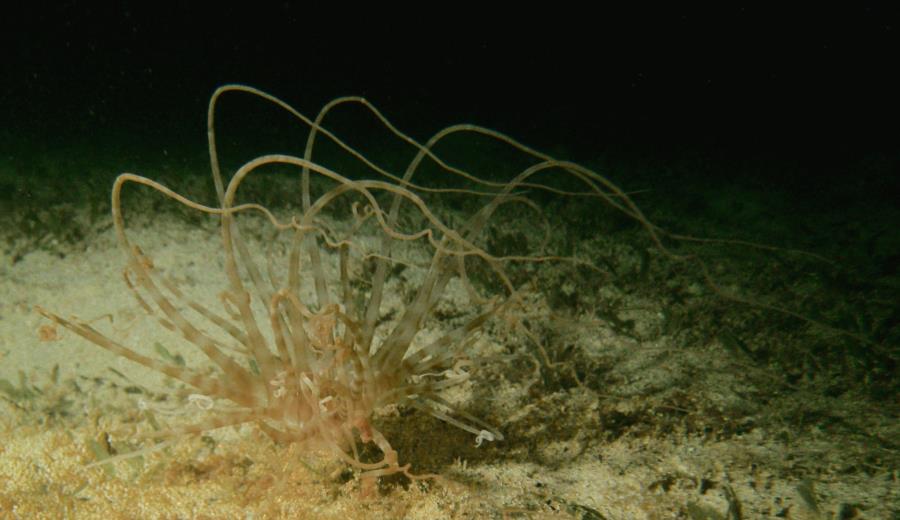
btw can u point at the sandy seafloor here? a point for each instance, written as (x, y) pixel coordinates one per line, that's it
(657, 421)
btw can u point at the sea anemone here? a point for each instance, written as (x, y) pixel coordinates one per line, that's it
(301, 344)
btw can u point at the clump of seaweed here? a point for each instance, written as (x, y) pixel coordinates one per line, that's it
(302, 344)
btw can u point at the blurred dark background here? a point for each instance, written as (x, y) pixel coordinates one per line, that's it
(736, 78)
